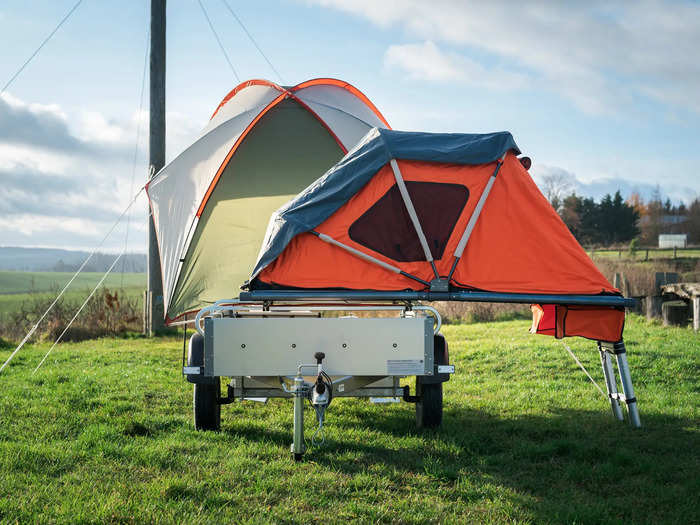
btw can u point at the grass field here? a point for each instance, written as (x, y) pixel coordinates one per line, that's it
(34, 282)
(686, 253)
(103, 433)
(18, 288)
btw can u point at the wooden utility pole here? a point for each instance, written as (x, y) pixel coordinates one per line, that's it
(154, 311)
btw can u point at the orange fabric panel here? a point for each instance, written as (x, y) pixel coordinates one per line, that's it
(600, 323)
(521, 245)
(308, 262)
(543, 317)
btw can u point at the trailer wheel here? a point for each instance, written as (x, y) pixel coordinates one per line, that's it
(429, 406)
(207, 410)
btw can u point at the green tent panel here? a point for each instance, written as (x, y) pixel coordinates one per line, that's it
(263, 145)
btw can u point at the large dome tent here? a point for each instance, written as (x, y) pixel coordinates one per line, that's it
(263, 144)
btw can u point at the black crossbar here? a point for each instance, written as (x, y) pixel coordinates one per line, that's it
(462, 295)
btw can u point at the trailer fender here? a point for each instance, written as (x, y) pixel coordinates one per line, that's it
(195, 358)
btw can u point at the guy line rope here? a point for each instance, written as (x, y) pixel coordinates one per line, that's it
(87, 259)
(36, 51)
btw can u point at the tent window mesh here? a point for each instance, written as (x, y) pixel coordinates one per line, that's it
(386, 227)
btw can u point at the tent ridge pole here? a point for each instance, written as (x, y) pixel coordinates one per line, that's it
(475, 216)
(413, 215)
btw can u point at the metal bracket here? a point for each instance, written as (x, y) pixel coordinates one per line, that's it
(439, 285)
(230, 396)
(408, 397)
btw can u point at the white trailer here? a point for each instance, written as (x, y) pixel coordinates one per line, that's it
(284, 344)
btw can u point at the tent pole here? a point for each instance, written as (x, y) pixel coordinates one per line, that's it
(475, 216)
(156, 313)
(413, 215)
(626, 381)
(623, 369)
(610, 382)
(366, 257)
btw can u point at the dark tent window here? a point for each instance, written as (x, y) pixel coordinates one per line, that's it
(386, 227)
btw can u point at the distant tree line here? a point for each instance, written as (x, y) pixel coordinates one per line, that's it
(610, 221)
(614, 220)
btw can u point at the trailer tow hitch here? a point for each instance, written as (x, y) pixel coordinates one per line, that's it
(320, 394)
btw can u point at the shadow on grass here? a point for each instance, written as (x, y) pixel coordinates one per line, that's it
(566, 466)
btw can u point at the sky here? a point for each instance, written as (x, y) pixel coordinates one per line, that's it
(604, 94)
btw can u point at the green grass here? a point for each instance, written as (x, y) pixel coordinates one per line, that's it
(103, 433)
(12, 302)
(34, 282)
(24, 288)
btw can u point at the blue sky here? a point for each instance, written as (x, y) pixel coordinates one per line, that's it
(605, 95)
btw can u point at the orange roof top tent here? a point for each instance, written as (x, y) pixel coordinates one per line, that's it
(434, 216)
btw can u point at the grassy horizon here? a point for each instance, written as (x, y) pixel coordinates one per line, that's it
(15, 282)
(103, 434)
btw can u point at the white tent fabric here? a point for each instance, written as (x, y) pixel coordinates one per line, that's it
(178, 192)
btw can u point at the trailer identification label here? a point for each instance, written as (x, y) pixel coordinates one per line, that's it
(405, 367)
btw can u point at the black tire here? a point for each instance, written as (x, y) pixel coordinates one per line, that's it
(207, 410)
(429, 407)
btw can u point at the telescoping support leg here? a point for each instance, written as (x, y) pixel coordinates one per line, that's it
(610, 382)
(298, 447)
(625, 379)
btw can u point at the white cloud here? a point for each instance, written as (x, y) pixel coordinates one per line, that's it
(597, 54)
(65, 177)
(31, 225)
(93, 126)
(427, 62)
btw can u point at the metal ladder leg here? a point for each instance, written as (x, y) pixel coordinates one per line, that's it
(626, 380)
(610, 382)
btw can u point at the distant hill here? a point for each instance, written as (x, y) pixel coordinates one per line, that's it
(54, 260)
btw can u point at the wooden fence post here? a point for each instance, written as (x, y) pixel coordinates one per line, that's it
(696, 314)
(617, 280)
(653, 305)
